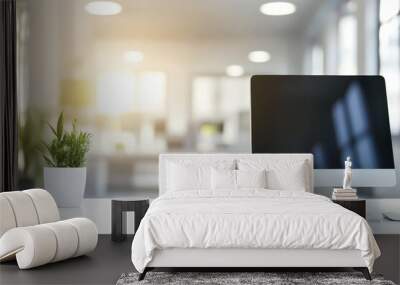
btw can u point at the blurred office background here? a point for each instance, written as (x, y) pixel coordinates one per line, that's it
(156, 76)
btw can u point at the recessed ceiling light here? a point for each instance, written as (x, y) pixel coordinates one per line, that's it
(133, 56)
(234, 70)
(259, 56)
(278, 8)
(103, 8)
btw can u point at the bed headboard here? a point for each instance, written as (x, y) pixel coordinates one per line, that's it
(164, 158)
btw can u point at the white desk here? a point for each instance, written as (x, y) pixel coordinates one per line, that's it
(385, 227)
(375, 210)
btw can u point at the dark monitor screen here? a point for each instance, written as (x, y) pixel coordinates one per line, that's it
(330, 116)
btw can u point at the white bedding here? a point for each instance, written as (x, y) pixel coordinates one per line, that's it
(251, 218)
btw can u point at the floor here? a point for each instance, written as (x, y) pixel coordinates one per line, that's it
(388, 264)
(103, 266)
(111, 259)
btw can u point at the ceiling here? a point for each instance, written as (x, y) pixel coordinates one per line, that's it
(191, 19)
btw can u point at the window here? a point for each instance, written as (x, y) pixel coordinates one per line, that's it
(389, 57)
(317, 60)
(120, 92)
(221, 113)
(347, 37)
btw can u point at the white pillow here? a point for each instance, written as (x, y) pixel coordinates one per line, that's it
(182, 177)
(186, 174)
(227, 179)
(223, 179)
(290, 175)
(251, 178)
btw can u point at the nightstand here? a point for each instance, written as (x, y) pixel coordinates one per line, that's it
(357, 206)
(118, 207)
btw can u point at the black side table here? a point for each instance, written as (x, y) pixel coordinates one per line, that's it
(118, 223)
(357, 206)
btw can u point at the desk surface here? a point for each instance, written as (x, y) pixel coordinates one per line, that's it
(385, 227)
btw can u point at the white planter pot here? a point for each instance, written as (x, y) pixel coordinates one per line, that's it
(66, 184)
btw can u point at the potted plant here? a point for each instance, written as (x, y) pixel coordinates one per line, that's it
(65, 174)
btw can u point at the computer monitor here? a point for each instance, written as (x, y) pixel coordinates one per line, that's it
(330, 116)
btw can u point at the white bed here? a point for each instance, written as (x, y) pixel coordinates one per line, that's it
(249, 227)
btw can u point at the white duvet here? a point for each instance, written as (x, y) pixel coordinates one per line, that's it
(250, 219)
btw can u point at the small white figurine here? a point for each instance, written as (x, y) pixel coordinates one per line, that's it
(347, 173)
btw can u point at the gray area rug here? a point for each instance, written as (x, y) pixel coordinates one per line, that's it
(269, 278)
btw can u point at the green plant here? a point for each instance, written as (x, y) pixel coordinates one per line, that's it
(67, 149)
